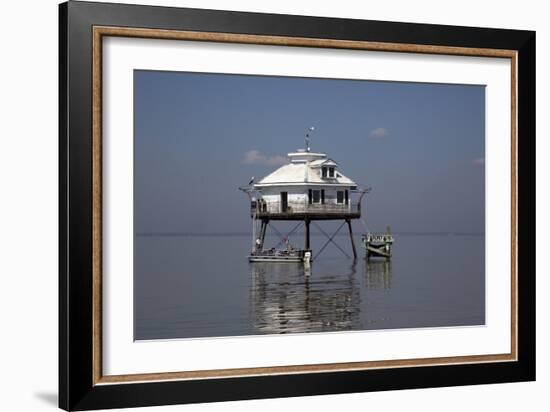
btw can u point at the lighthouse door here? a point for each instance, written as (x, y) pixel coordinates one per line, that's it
(284, 202)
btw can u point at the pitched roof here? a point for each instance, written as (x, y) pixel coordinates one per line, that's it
(302, 173)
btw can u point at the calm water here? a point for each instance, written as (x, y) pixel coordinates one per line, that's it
(203, 286)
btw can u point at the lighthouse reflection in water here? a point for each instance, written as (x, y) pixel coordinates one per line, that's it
(287, 298)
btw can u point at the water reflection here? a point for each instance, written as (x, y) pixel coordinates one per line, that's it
(377, 274)
(181, 292)
(290, 298)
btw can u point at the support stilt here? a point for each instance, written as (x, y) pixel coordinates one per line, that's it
(265, 222)
(257, 239)
(352, 241)
(307, 234)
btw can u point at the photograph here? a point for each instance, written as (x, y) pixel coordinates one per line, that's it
(267, 205)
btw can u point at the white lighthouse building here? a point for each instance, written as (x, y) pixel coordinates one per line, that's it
(311, 186)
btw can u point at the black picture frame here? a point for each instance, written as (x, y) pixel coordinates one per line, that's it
(77, 390)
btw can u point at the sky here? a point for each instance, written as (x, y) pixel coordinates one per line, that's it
(198, 137)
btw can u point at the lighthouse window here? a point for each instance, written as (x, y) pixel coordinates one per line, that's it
(331, 171)
(324, 172)
(316, 196)
(340, 196)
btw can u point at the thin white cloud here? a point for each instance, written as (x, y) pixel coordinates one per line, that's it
(255, 157)
(480, 161)
(379, 133)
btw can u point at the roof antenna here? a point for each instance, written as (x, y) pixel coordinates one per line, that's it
(309, 130)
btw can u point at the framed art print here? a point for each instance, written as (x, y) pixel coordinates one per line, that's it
(257, 205)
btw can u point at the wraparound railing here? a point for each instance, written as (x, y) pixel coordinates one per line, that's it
(260, 207)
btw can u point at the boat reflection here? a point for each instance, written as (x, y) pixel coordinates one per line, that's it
(377, 274)
(292, 298)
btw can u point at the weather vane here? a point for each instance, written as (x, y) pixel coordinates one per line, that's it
(309, 130)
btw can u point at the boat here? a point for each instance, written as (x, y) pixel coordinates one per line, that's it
(378, 245)
(280, 255)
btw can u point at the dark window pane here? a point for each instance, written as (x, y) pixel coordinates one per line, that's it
(316, 196)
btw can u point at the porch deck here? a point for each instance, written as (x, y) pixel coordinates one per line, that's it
(304, 210)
